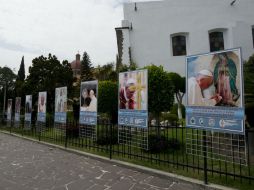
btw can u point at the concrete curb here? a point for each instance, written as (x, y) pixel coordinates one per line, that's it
(198, 184)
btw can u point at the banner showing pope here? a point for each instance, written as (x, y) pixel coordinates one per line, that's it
(215, 80)
(133, 98)
(28, 108)
(88, 102)
(215, 91)
(17, 108)
(60, 104)
(9, 109)
(42, 105)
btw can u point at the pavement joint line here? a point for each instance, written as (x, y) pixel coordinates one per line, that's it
(143, 169)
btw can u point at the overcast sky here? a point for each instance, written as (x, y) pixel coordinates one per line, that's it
(61, 27)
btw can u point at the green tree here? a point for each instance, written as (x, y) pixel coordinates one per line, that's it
(7, 79)
(108, 99)
(124, 67)
(106, 72)
(86, 68)
(19, 86)
(21, 73)
(133, 66)
(160, 90)
(46, 74)
(248, 68)
(118, 64)
(179, 90)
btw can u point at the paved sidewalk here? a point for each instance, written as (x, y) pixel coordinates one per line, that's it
(29, 165)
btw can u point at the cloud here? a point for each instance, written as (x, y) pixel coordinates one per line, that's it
(17, 47)
(60, 27)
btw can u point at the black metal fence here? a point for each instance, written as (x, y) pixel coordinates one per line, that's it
(166, 149)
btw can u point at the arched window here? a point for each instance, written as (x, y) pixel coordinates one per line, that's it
(216, 41)
(179, 45)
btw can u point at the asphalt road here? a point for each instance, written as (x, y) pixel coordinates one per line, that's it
(29, 165)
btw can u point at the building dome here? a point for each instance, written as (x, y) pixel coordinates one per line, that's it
(76, 66)
(76, 63)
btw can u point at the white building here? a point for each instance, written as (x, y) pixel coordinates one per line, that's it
(164, 32)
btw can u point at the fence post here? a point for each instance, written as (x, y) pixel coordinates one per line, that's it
(205, 157)
(110, 144)
(22, 127)
(39, 133)
(10, 125)
(66, 138)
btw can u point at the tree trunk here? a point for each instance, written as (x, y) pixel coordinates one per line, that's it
(179, 98)
(179, 111)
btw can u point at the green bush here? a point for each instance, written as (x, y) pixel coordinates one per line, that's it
(108, 99)
(172, 118)
(69, 115)
(104, 135)
(160, 90)
(249, 110)
(49, 116)
(174, 109)
(159, 144)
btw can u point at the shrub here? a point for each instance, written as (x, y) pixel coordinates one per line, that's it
(108, 99)
(104, 136)
(172, 118)
(174, 109)
(160, 90)
(159, 144)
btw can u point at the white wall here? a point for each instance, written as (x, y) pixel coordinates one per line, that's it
(126, 46)
(154, 22)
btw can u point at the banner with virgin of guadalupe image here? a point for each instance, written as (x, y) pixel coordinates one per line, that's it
(215, 91)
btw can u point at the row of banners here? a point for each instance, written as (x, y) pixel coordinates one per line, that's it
(132, 102)
(214, 94)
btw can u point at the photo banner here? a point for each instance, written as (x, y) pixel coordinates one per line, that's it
(215, 91)
(133, 99)
(88, 102)
(60, 105)
(42, 107)
(9, 109)
(17, 109)
(28, 108)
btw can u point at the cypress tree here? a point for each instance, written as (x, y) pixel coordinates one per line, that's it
(86, 68)
(21, 72)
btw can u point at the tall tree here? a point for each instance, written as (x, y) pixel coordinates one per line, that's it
(248, 69)
(160, 90)
(118, 64)
(46, 74)
(108, 101)
(21, 72)
(19, 85)
(86, 68)
(179, 90)
(106, 72)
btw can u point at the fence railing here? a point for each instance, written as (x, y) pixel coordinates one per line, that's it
(166, 148)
